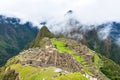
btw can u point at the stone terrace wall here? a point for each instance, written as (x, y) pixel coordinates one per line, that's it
(50, 57)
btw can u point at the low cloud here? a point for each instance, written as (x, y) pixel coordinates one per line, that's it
(89, 11)
(104, 32)
(86, 12)
(70, 26)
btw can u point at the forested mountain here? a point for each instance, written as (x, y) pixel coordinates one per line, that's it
(14, 36)
(103, 38)
(53, 58)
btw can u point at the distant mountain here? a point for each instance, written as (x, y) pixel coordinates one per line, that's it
(59, 59)
(103, 38)
(14, 36)
(105, 42)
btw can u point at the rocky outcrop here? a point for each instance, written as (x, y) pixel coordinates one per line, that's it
(11, 75)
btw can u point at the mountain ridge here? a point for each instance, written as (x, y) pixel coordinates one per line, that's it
(71, 59)
(102, 38)
(14, 37)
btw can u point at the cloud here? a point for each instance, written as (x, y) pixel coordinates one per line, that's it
(54, 13)
(104, 32)
(89, 11)
(37, 10)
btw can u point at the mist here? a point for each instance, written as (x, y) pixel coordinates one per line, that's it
(87, 15)
(71, 26)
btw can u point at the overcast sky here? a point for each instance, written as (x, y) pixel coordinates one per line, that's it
(88, 11)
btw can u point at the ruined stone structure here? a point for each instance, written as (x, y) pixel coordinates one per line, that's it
(51, 57)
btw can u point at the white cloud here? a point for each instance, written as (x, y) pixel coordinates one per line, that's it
(89, 11)
(104, 33)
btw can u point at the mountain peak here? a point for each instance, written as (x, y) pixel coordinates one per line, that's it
(70, 12)
(66, 57)
(44, 32)
(44, 29)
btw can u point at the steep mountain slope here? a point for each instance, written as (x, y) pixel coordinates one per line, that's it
(108, 47)
(103, 38)
(44, 32)
(59, 59)
(14, 37)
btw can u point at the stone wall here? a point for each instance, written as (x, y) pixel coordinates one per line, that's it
(51, 57)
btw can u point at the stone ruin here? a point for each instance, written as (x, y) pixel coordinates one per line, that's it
(50, 57)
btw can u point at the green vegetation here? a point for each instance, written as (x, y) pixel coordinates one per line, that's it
(23, 70)
(14, 38)
(106, 48)
(36, 73)
(3, 44)
(33, 73)
(79, 58)
(46, 74)
(44, 32)
(110, 68)
(106, 66)
(62, 46)
(9, 75)
(87, 71)
(97, 61)
(73, 76)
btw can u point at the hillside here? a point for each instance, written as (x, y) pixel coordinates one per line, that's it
(44, 32)
(14, 36)
(104, 38)
(59, 59)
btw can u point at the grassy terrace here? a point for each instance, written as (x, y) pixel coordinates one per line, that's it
(34, 73)
(61, 46)
(74, 76)
(64, 48)
(97, 60)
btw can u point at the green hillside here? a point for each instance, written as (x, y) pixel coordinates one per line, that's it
(59, 59)
(14, 38)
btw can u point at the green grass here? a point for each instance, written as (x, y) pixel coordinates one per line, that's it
(110, 68)
(97, 61)
(88, 72)
(34, 73)
(79, 58)
(73, 76)
(23, 70)
(61, 46)
(46, 74)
